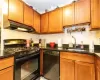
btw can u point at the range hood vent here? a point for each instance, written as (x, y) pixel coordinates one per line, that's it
(20, 27)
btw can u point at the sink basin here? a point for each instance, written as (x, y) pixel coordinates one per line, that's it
(76, 50)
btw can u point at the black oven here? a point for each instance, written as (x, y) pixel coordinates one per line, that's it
(27, 59)
(27, 67)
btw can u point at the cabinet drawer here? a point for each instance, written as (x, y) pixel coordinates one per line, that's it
(6, 62)
(6, 74)
(77, 57)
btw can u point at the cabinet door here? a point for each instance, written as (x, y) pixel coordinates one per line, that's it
(44, 23)
(16, 10)
(97, 73)
(95, 14)
(68, 15)
(66, 69)
(6, 74)
(84, 71)
(97, 63)
(28, 15)
(55, 21)
(36, 21)
(82, 11)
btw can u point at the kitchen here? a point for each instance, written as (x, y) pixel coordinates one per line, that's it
(44, 42)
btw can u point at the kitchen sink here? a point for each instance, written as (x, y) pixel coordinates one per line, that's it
(76, 50)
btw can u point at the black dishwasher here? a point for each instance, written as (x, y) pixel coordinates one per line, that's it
(51, 65)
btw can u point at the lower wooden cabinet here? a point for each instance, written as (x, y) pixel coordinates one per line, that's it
(84, 71)
(72, 67)
(97, 64)
(66, 69)
(6, 74)
(97, 73)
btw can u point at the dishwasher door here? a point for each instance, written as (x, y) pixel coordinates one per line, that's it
(51, 65)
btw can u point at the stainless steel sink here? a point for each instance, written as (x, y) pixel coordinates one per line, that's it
(76, 50)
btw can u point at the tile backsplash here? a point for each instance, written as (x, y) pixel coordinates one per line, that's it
(86, 36)
(12, 34)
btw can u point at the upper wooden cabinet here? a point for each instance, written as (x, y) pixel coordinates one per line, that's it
(55, 21)
(84, 70)
(44, 23)
(82, 11)
(28, 15)
(36, 21)
(95, 14)
(68, 15)
(16, 10)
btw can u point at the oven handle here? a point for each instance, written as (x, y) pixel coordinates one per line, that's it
(25, 58)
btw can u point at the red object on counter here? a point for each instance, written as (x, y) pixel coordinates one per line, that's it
(52, 44)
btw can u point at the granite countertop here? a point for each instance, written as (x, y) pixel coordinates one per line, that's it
(5, 54)
(95, 52)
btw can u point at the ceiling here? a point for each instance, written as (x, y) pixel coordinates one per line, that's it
(41, 5)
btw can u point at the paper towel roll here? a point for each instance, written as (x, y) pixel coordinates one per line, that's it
(59, 42)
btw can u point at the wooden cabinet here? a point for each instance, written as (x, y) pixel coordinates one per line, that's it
(68, 15)
(44, 23)
(16, 10)
(28, 15)
(6, 68)
(97, 73)
(4, 63)
(97, 64)
(84, 71)
(55, 21)
(36, 21)
(73, 66)
(95, 14)
(82, 11)
(6, 74)
(66, 69)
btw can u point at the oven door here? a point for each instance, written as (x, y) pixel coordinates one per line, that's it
(27, 67)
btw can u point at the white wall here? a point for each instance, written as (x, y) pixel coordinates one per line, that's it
(86, 37)
(12, 34)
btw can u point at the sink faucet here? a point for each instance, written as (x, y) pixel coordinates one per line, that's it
(75, 41)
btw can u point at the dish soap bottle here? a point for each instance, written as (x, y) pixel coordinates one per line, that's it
(81, 46)
(31, 43)
(39, 42)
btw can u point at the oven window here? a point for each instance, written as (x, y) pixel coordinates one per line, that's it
(28, 68)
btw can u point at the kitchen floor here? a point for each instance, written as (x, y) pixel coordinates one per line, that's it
(52, 73)
(41, 78)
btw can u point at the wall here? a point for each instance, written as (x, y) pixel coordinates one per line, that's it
(12, 34)
(86, 36)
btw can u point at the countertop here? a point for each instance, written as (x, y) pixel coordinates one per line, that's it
(5, 54)
(95, 52)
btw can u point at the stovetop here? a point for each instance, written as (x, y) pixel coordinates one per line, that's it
(21, 51)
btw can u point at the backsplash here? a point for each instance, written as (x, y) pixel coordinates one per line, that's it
(12, 34)
(86, 36)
